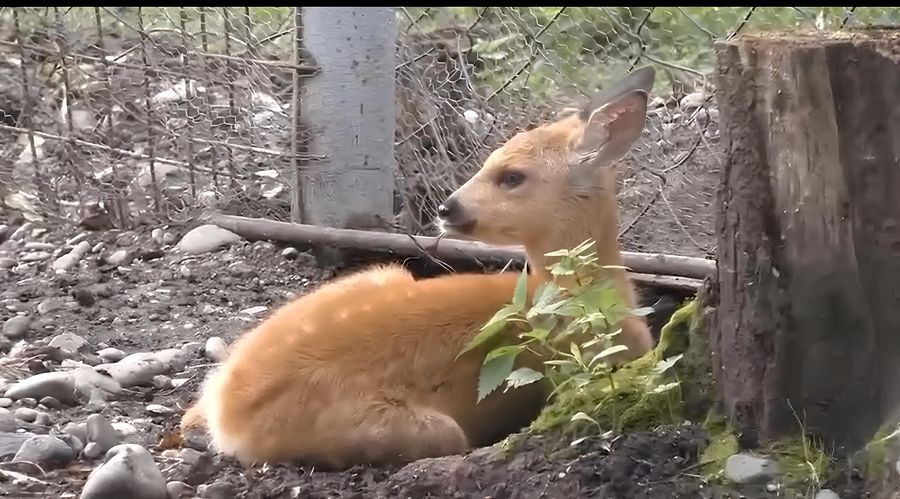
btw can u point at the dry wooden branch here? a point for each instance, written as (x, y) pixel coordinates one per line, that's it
(668, 271)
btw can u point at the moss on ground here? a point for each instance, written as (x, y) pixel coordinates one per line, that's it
(639, 397)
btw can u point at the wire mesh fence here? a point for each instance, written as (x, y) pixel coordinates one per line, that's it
(166, 111)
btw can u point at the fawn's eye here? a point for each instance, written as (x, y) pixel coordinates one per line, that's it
(511, 178)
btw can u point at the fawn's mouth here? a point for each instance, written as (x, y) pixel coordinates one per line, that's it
(460, 228)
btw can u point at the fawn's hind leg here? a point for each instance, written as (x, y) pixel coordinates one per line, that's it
(384, 432)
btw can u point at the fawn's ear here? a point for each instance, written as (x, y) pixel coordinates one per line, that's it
(613, 128)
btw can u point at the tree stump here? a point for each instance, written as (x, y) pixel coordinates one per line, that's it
(807, 291)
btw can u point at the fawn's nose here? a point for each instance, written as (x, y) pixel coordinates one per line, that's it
(454, 216)
(449, 209)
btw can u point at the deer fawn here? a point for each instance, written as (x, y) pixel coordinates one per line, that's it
(365, 369)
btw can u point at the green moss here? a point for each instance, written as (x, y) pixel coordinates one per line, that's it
(628, 402)
(877, 450)
(804, 464)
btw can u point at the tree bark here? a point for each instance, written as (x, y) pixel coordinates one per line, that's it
(807, 290)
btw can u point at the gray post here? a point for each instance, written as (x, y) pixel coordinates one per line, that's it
(349, 109)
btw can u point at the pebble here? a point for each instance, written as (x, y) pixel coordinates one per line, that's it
(101, 432)
(38, 246)
(58, 385)
(98, 247)
(34, 256)
(125, 429)
(120, 257)
(68, 342)
(26, 414)
(43, 419)
(206, 238)
(216, 490)
(11, 442)
(28, 402)
(92, 450)
(129, 471)
(74, 442)
(45, 450)
(111, 354)
(17, 327)
(6, 402)
(137, 369)
(157, 236)
(72, 258)
(159, 409)
(176, 489)
(8, 263)
(49, 305)
(77, 430)
(216, 349)
(76, 239)
(743, 469)
(827, 494)
(168, 238)
(50, 403)
(162, 382)
(8, 422)
(290, 253)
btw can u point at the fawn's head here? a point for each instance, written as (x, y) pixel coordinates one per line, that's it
(540, 179)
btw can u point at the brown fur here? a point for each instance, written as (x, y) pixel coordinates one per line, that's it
(364, 369)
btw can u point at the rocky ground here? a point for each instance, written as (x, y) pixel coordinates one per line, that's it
(106, 336)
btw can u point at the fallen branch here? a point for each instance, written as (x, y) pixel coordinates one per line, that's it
(676, 272)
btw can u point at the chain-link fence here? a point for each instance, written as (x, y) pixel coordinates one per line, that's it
(165, 111)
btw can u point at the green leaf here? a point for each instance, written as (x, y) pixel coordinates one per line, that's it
(521, 289)
(494, 372)
(609, 351)
(664, 388)
(493, 326)
(523, 376)
(666, 364)
(580, 416)
(539, 334)
(501, 351)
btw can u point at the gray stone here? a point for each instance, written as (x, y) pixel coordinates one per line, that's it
(67, 342)
(216, 349)
(206, 238)
(162, 382)
(217, 490)
(176, 489)
(49, 305)
(290, 253)
(17, 327)
(129, 471)
(51, 403)
(137, 369)
(72, 258)
(58, 385)
(102, 433)
(92, 450)
(827, 494)
(45, 450)
(26, 414)
(111, 354)
(159, 410)
(743, 469)
(11, 442)
(120, 257)
(43, 419)
(77, 430)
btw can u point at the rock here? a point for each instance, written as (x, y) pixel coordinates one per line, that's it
(290, 253)
(50, 305)
(11, 442)
(430, 477)
(26, 414)
(137, 369)
(129, 471)
(190, 456)
(34, 256)
(17, 327)
(125, 429)
(101, 432)
(168, 238)
(92, 450)
(120, 257)
(174, 359)
(51, 403)
(111, 354)
(743, 469)
(45, 450)
(67, 342)
(217, 490)
(7, 263)
(157, 236)
(43, 419)
(28, 402)
(216, 349)
(58, 385)
(77, 239)
(92, 385)
(162, 382)
(693, 100)
(192, 349)
(159, 410)
(8, 421)
(98, 247)
(206, 238)
(77, 430)
(176, 489)
(827, 494)
(5, 402)
(71, 258)
(73, 442)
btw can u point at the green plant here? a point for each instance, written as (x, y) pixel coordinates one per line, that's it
(570, 328)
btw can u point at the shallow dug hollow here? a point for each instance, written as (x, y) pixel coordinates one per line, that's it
(639, 465)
